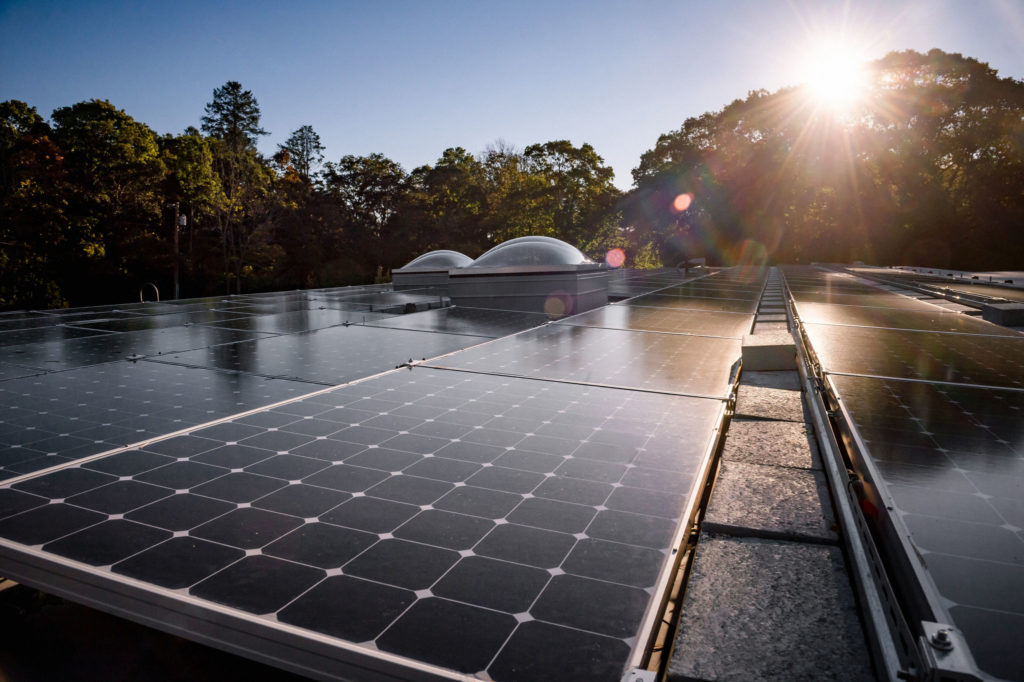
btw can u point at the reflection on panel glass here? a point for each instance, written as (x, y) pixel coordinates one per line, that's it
(929, 356)
(679, 321)
(92, 350)
(952, 460)
(692, 365)
(53, 418)
(472, 321)
(930, 318)
(382, 513)
(328, 356)
(657, 300)
(306, 319)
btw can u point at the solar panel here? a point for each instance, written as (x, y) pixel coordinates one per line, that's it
(695, 303)
(927, 356)
(928, 318)
(674, 363)
(702, 290)
(296, 321)
(328, 356)
(391, 532)
(937, 436)
(36, 335)
(950, 462)
(172, 319)
(93, 350)
(53, 418)
(677, 321)
(469, 321)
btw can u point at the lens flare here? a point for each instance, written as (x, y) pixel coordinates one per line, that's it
(615, 258)
(557, 305)
(682, 202)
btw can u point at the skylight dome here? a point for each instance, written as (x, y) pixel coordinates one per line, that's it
(440, 259)
(525, 251)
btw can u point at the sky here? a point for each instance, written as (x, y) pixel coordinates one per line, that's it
(410, 79)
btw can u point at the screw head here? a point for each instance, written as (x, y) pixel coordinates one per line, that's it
(942, 640)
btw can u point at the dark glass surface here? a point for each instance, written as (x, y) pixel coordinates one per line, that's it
(493, 584)
(322, 545)
(1014, 295)
(876, 299)
(727, 305)
(682, 321)
(456, 636)
(470, 321)
(327, 356)
(708, 290)
(673, 363)
(369, 608)
(952, 460)
(258, 584)
(107, 542)
(303, 320)
(116, 404)
(928, 356)
(403, 529)
(933, 319)
(92, 350)
(536, 652)
(20, 337)
(593, 605)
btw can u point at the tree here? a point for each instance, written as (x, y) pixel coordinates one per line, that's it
(447, 203)
(304, 151)
(114, 171)
(194, 186)
(233, 116)
(578, 192)
(370, 191)
(929, 169)
(33, 223)
(242, 213)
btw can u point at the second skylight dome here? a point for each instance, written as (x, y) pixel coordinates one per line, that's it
(531, 251)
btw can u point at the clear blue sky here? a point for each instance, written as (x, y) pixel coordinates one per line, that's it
(409, 79)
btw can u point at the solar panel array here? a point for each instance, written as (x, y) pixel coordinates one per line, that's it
(955, 283)
(508, 510)
(77, 382)
(937, 403)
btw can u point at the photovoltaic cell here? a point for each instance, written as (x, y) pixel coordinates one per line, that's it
(36, 335)
(52, 418)
(927, 356)
(674, 363)
(295, 321)
(515, 560)
(328, 356)
(469, 321)
(93, 350)
(931, 319)
(951, 462)
(657, 300)
(681, 321)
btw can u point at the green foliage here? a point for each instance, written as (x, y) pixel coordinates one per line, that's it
(303, 152)
(113, 174)
(928, 170)
(233, 116)
(33, 225)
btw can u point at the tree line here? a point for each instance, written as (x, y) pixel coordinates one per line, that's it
(928, 169)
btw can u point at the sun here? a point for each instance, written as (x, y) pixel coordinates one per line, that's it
(835, 77)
